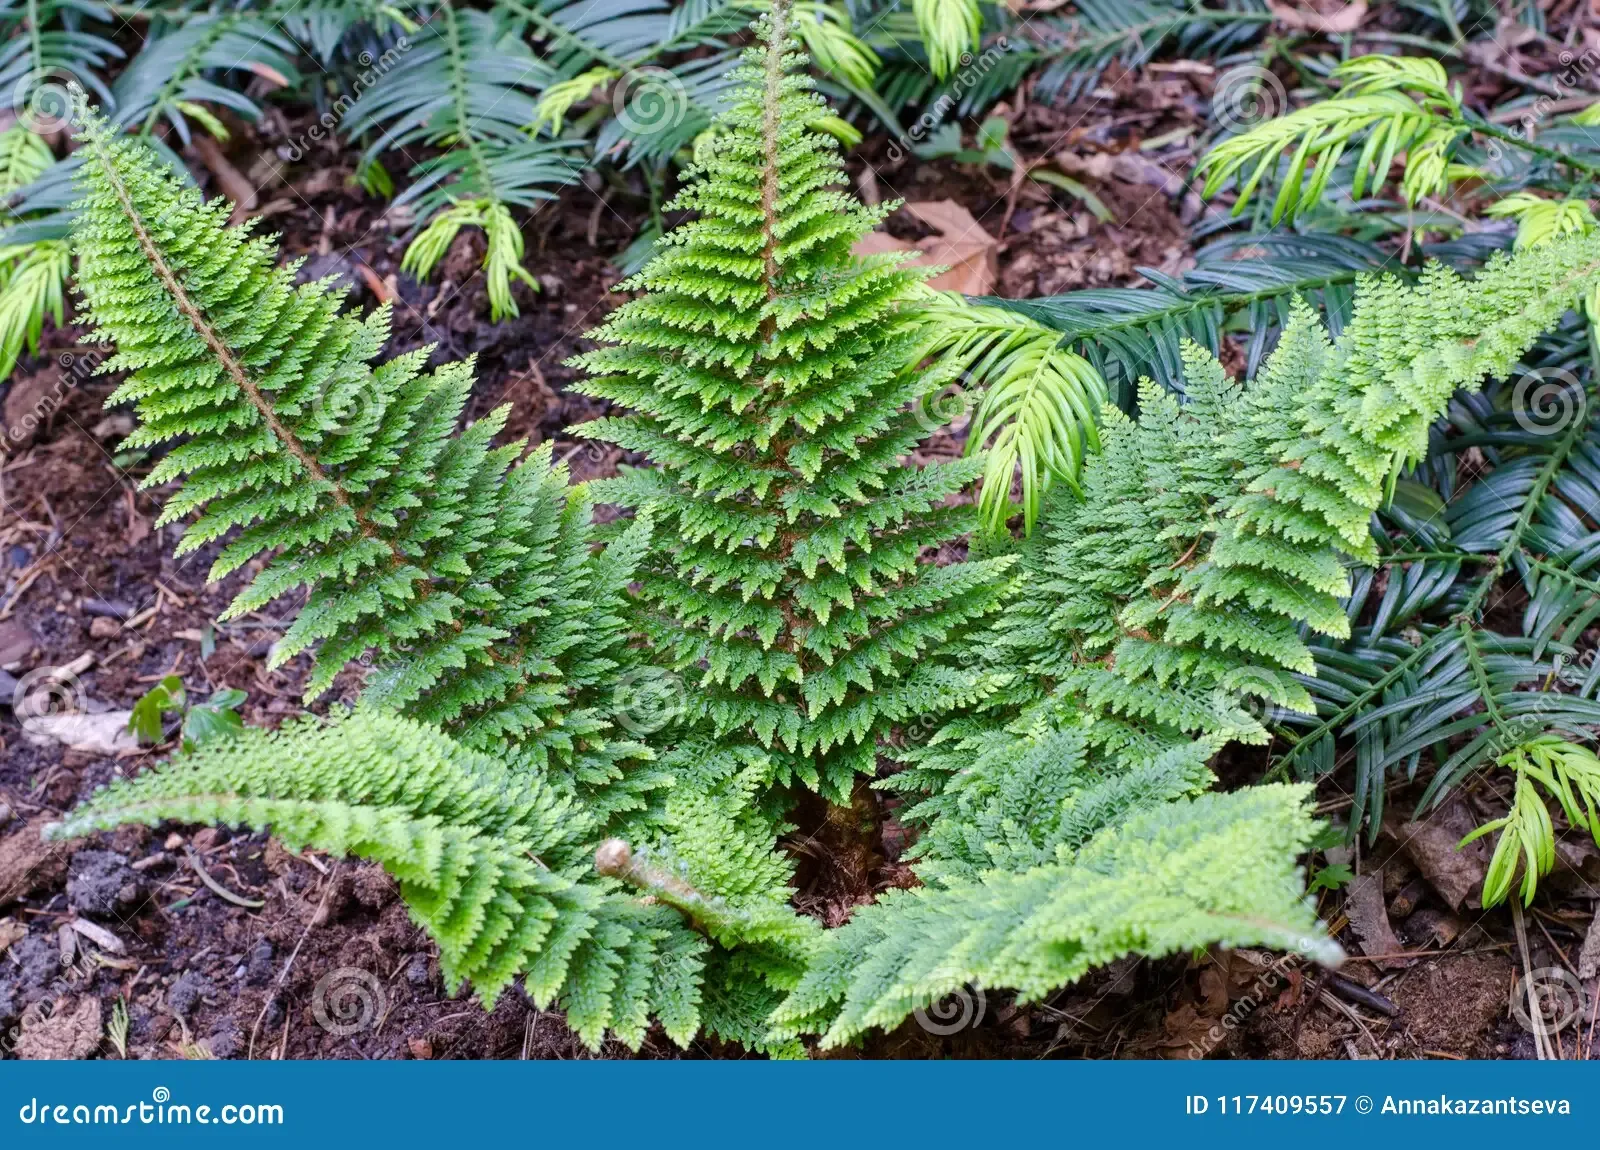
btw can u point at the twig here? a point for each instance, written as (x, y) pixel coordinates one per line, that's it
(217, 888)
(1541, 1041)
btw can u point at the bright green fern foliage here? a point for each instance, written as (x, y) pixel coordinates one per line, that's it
(772, 380)
(462, 568)
(1404, 106)
(495, 862)
(1219, 868)
(470, 573)
(1161, 615)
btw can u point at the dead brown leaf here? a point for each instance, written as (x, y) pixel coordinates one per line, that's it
(1431, 843)
(1339, 21)
(28, 863)
(961, 247)
(63, 1035)
(1368, 915)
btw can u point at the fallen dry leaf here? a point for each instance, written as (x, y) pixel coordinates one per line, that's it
(1364, 904)
(11, 931)
(63, 1035)
(103, 734)
(28, 863)
(1339, 21)
(1431, 843)
(962, 247)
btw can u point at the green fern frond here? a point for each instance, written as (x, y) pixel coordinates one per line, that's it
(559, 98)
(468, 83)
(950, 30)
(462, 567)
(1219, 868)
(24, 157)
(32, 286)
(1540, 220)
(494, 863)
(770, 375)
(1570, 774)
(1161, 613)
(824, 30)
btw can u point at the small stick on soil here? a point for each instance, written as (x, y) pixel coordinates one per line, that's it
(1356, 993)
(217, 888)
(1541, 1042)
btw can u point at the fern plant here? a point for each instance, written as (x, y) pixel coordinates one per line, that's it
(466, 575)
(1161, 617)
(1395, 107)
(771, 377)
(1429, 678)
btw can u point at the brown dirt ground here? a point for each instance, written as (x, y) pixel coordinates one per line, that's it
(202, 976)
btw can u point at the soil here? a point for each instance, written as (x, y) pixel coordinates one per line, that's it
(226, 945)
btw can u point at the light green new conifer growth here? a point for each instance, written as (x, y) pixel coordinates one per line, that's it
(773, 384)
